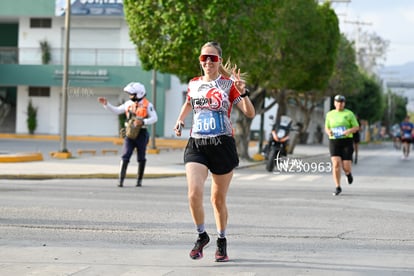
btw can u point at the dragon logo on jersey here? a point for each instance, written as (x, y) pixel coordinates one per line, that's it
(214, 98)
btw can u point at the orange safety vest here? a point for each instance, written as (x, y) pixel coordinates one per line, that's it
(139, 109)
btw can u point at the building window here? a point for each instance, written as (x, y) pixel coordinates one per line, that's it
(40, 23)
(39, 91)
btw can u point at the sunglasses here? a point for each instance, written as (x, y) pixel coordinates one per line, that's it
(213, 58)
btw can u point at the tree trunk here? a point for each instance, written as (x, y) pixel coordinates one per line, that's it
(243, 124)
(282, 104)
(307, 105)
(242, 135)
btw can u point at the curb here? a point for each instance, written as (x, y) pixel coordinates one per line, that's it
(83, 176)
(161, 144)
(20, 157)
(40, 176)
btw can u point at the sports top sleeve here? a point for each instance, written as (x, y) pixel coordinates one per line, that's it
(118, 109)
(152, 115)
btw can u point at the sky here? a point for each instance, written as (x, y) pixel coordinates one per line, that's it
(392, 20)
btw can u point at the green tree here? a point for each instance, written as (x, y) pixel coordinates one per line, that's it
(346, 78)
(399, 105)
(369, 103)
(307, 37)
(296, 54)
(168, 34)
(395, 109)
(317, 58)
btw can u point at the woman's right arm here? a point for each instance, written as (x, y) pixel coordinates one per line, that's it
(185, 110)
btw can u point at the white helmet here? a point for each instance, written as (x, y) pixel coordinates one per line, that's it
(135, 88)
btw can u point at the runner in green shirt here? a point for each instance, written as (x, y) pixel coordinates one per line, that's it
(340, 124)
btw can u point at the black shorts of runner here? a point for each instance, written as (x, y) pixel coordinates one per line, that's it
(406, 140)
(219, 154)
(342, 147)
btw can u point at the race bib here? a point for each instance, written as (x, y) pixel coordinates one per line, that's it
(209, 123)
(407, 135)
(338, 132)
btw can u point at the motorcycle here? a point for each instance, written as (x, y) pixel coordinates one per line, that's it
(278, 142)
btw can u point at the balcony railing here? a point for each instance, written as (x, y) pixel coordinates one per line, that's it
(8, 55)
(77, 56)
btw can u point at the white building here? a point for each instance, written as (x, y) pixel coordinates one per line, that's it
(102, 61)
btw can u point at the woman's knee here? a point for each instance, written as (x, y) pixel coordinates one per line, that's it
(218, 200)
(195, 195)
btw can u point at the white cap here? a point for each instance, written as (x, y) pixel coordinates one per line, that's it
(135, 88)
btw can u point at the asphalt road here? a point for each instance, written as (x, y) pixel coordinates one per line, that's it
(279, 224)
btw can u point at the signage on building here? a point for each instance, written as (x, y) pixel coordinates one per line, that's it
(91, 7)
(84, 75)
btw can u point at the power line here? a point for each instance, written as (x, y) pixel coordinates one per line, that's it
(358, 23)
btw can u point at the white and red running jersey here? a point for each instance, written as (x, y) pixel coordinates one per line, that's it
(212, 103)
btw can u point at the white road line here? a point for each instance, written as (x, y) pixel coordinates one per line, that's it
(277, 177)
(281, 177)
(254, 176)
(310, 178)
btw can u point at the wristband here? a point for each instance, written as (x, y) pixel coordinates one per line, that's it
(246, 93)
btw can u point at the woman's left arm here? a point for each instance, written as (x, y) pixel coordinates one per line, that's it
(245, 105)
(351, 130)
(354, 126)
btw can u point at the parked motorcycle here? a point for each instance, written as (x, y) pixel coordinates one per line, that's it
(278, 142)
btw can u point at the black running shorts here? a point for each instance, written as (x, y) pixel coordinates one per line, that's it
(342, 147)
(219, 154)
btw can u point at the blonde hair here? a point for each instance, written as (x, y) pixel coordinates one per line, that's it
(228, 68)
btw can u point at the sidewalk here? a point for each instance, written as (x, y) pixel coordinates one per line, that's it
(99, 164)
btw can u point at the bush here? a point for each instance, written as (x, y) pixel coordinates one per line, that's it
(31, 117)
(45, 48)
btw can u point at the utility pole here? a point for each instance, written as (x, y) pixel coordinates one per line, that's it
(358, 23)
(153, 148)
(388, 76)
(64, 104)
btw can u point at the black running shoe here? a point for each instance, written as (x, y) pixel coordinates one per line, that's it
(221, 251)
(338, 190)
(197, 251)
(349, 178)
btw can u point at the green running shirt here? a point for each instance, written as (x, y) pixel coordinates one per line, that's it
(339, 121)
